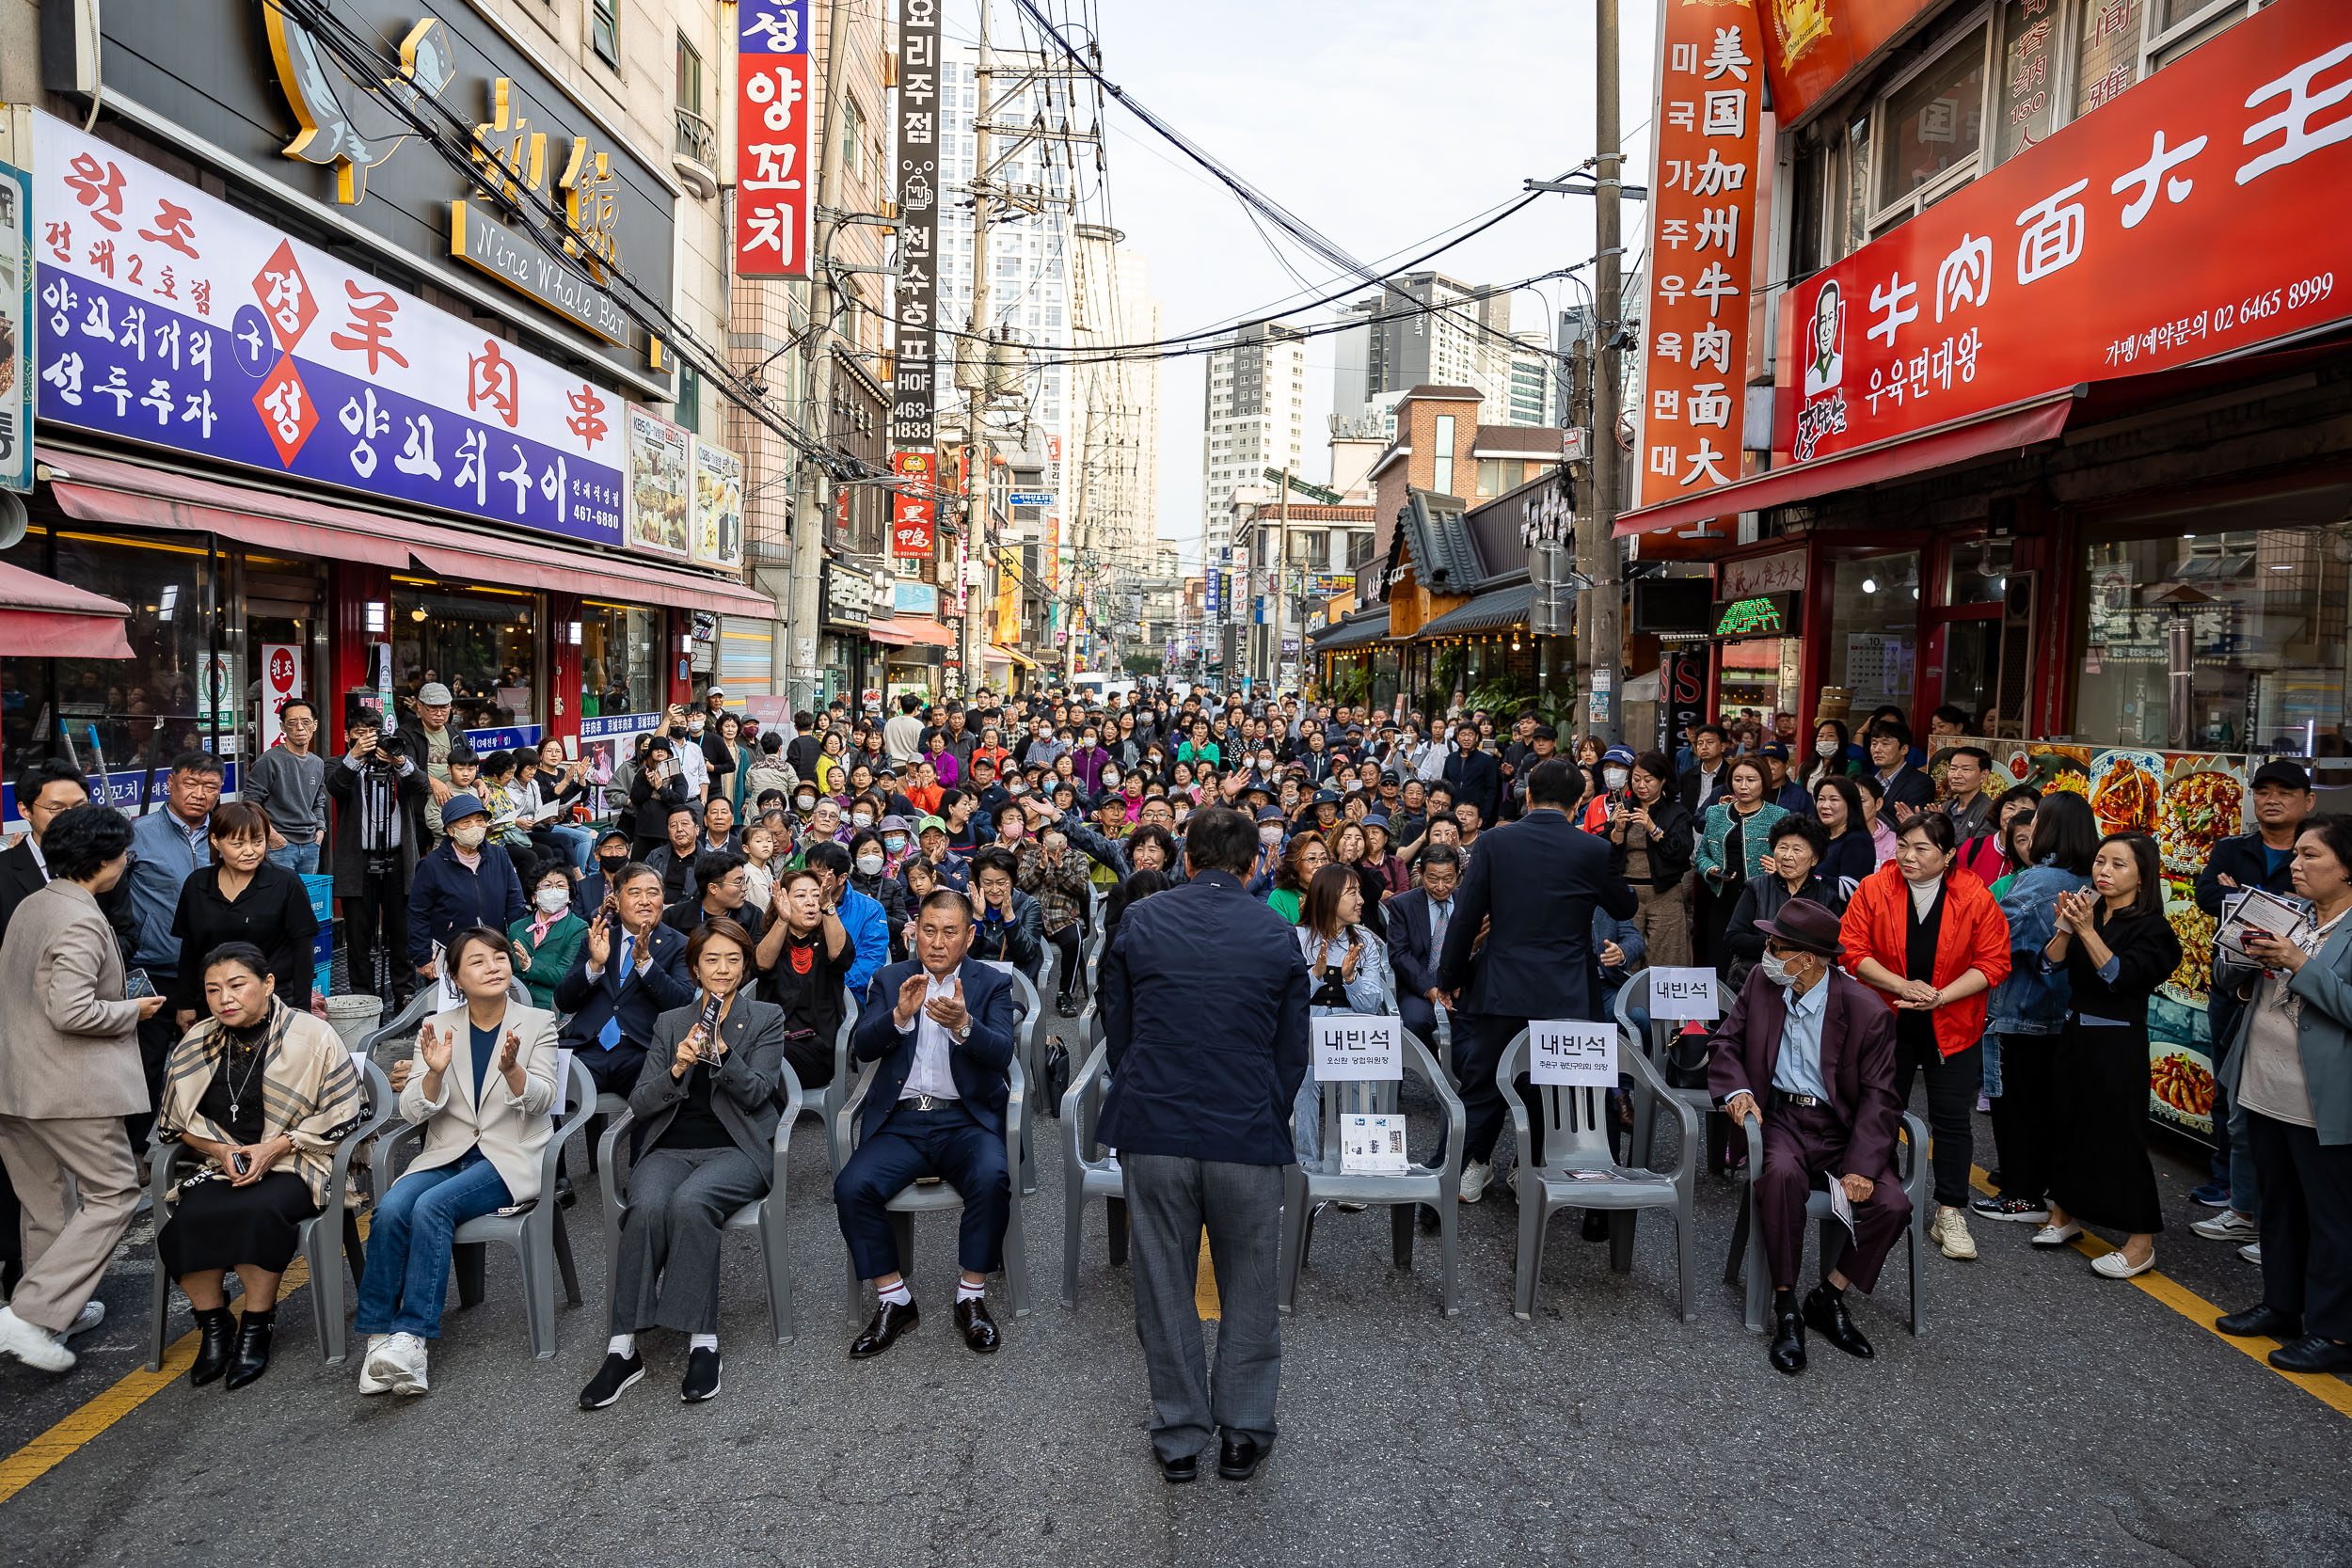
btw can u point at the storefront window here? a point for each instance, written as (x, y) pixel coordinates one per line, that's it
(1978, 573)
(2265, 650)
(1874, 630)
(483, 645)
(1759, 678)
(146, 709)
(620, 652)
(1935, 122)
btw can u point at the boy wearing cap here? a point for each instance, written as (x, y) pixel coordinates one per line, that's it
(1810, 1051)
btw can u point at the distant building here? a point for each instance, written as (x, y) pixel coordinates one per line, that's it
(1256, 413)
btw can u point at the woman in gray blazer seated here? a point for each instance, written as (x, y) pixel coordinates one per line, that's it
(706, 1103)
(483, 1079)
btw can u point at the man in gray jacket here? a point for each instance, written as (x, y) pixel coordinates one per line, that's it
(289, 782)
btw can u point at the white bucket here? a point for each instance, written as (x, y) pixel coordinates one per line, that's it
(355, 1017)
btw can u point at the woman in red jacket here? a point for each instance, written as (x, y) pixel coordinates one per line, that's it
(1930, 936)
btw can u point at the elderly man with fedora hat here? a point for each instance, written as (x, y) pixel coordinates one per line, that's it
(1811, 1051)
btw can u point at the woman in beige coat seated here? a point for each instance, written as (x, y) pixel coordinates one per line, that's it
(263, 1094)
(483, 1081)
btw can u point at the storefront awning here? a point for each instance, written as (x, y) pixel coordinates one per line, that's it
(1356, 632)
(44, 618)
(2003, 430)
(997, 654)
(132, 494)
(1501, 607)
(909, 633)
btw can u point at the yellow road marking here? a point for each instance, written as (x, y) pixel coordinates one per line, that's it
(2328, 1390)
(1204, 1284)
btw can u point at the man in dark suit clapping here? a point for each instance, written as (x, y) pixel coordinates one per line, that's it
(1204, 991)
(1520, 944)
(631, 969)
(941, 1025)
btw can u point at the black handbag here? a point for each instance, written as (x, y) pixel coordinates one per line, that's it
(1687, 1058)
(1056, 1073)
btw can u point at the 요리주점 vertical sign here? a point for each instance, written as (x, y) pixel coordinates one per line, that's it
(174, 320)
(775, 169)
(1703, 185)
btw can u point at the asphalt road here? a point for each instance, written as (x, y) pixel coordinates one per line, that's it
(2047, 1415)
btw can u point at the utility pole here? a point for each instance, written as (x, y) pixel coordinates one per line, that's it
(1601, 619)
(1281, 581)
(809, 498)
(978, 338)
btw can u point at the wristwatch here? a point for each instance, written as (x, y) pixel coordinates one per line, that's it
(959, 1036)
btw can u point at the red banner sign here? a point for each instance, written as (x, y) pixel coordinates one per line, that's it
(911, 516)
(1711, 97)
(776, 164)
(2196, 213)
(1814, 45)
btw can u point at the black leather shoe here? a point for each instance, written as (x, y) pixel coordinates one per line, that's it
(1596, 1225)
(1788, 1353)
(613, 1379)
(702, 1377)
(564, 1196)
(1178, 1471)
(977, 1328)
(1237, 1457)
(890, 1321)
(218, 1329)
(2316, 1354)
(1826, 1315)
(1063, 1006)
(251, 1357)
(2263, 1321)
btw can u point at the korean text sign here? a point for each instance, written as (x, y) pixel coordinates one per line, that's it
(775, 166)
(914, 508)
(174, 320)
(1352, 1046)
(911, 396)
(2192, 215)
(1573, 1052)
(1710, 97)
(1683, 993)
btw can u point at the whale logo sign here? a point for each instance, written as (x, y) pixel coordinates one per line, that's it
(343, 126)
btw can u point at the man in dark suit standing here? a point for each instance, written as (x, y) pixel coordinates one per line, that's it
(623, 980)
(1474, 775)
(941, 1025)
(1202, 1079)
(1418, 924)
(1817, 1049)
(1528, 898)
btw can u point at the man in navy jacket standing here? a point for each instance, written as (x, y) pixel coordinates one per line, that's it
(1204, 991)
(1532, 885)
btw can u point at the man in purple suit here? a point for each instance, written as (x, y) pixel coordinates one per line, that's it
(1811, 1052)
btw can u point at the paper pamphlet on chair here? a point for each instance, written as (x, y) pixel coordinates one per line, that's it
(1684, 994)
(1572, 1052)
(1372, 1146)
(1840, 1205)
(1356, 1047)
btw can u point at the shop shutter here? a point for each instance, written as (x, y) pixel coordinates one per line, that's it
(746, 655)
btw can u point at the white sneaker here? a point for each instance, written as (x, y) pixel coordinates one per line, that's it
(369, 1383)
(1474, 1177)
(2251, 1252)
(1950, 1233)
(406, 1355)
(2228, 1226)
(93, 1313)
(33, 1344)
(2111, 1264)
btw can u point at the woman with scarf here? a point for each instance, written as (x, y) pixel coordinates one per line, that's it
(262, 1094)
(548, 937)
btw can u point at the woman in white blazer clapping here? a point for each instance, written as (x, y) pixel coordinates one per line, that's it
(483, 1081)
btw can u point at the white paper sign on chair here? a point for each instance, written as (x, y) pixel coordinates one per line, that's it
(1357, 1046)
(1570, 1051)
(1684, 994)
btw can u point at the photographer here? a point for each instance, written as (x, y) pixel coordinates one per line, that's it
(659, 789)
(375, 786)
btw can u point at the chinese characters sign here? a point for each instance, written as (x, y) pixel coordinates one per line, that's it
(2190, 217)
(913, 507)
(174, 320)
(776, 173)
(1702, 250)
(919, 222)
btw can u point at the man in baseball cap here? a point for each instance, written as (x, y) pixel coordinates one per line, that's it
(1810, 1051)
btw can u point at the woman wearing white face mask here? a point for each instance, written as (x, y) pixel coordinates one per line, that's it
(547, 938)
(467, 882)
(869, 874)
(1829, 759)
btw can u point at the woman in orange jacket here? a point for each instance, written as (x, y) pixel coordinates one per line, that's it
(1931, 937)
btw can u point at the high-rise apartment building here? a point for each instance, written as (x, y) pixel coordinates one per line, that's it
(1422, 329)
(1256, 420)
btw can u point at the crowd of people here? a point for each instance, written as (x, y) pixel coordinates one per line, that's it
(692, 929)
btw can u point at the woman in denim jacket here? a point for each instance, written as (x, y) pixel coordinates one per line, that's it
(2029, 1009)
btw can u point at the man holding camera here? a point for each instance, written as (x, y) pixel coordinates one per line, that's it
(379, 794)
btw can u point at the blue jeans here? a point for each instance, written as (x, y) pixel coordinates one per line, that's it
(1307, 1119)
(299, 858)
(580, 841)
(408, 1243)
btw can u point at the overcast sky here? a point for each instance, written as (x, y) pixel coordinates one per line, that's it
(1379, 123)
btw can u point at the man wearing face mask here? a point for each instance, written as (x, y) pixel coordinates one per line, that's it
(468, 881)
(612, 853)
(686, 730)
(1810, 1050)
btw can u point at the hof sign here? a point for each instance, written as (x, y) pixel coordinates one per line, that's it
(1351, 1047)
(1572, 1052)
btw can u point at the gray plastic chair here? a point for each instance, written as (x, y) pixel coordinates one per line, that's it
(1304, 1187)
(390, 1041)
(1028, 1053)
(1655, 1043)
(537, 1234)
(1576, 1139)
(326, 1239)
(1916, 1185)
(1087, 1171)
(940, 1196)
(763, 1214)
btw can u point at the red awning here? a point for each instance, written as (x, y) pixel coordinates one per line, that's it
(906, 634)
(132, 494)
(44, 618)
(2003, 430)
